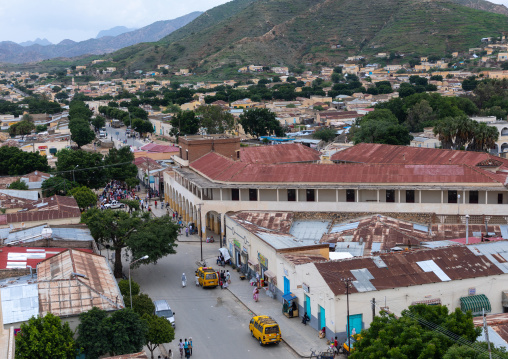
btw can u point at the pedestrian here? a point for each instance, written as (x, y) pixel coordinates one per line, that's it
(180, 346)
(184, 282)
(186, 231)
(173, 216)
(255, 294)
(197, 279)
(170, 355)
(228, 277)
(186, 348)
(155, 203)
(190, 345)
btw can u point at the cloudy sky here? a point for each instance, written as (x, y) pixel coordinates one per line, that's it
(56, 20)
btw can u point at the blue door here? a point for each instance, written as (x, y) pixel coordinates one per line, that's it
(322, 317)
(307, 305)
(286, 285)
(355, 322)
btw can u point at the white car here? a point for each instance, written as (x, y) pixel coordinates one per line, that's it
(114, 204)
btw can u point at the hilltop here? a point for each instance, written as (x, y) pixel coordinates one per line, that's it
(291, 32)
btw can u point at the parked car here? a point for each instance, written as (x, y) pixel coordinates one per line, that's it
(114, 204)
(265, 330)
(163, 310)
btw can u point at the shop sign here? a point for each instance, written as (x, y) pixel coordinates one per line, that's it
(263, 260)
(244, 250)
(472, 291)
(237, 244)
(306, 288)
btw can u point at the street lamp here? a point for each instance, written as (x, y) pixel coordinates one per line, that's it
(467, 228)
(74, 179)
(130, 286)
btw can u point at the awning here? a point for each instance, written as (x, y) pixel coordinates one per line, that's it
(289, 297)
(475, 303)
(436, 301)
(253, 262)
(269, 274)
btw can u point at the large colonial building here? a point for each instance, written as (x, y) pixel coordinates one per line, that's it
(366, 178)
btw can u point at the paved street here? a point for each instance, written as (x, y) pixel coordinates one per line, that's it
(214, 318)
(112, 133)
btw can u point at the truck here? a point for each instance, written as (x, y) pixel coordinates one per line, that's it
(114, 204)
(116, 123)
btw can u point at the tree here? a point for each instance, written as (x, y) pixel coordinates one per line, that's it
(141, 304)
(215, 119)
(41, 128)
(142, 126)
(380, 126)
(84, 196)
(463, 133)
(62, 96)
(14, 161)
(185, 123)
(419, 116)
(85, 167)
(260, 122)
(325, 134)
(78, 109)
(57, 185)
(45, 338)
(407, 337)
(21, 128)
(120, 164)
(126, 289)
(121, 333)
(160, 331)
(155, 238)
(98, 122)
(20, 185)
(81, 132)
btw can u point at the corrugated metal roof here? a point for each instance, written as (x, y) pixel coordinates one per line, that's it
(30, 195)
(309, 230)
(363, 278)
(504, 231)
(431, 266)
(279, 154)
(19, 302)
(344, 227)
(355, 248)
(420, 227)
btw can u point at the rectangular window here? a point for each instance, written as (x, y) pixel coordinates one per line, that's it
(473, 196)
(499, 198)
(253, 194)
(291, 195)
(235, 194)
(310, 195)
(390, 195)
(410, 196)
(452, 196)
(350, 195)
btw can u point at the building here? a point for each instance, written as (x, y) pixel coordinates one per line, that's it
(366, 178)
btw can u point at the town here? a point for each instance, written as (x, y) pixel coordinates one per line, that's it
(335, 199)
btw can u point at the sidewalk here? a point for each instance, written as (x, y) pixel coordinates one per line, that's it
(301, 338)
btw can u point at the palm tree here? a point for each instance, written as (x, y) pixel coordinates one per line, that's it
(445, 132)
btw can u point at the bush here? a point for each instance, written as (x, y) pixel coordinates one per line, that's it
(124, 287)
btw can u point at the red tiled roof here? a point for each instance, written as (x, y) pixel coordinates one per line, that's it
(293, 152)
(153, 147)
(34, 255)
(219, 168)
(401, 270)
(379, 153)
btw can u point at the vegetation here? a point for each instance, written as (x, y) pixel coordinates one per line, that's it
(409, 337)
(463, 133)
(184, 123)
(20, 185)
(260, 122)
(160, 331)
(325, 134)
(136, 231)
(14, 162)
(45, 338)
(214, 119)
(21, 128)
(57, 185)
(84, 167)
(380, 126)
(84, 196)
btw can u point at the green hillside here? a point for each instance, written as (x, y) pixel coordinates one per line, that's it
(290, 32)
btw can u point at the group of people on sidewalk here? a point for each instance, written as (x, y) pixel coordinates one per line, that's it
(224, 279)
(185, 347)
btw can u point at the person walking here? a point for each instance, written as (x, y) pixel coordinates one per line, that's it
(255, 294)
(180, 346)
(186, 231)
(228, 277)
(190, 345)
(186, 348)
(184, 281)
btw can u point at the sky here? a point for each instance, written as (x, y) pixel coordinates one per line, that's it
(56, 20)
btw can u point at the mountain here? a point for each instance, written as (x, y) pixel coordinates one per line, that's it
(37, 41)
(14, 53)
(115, 31)
(484, 5)
(292, 32)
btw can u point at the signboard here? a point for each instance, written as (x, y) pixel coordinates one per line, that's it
(471, 291)
(152, 179)
(237, 244)
(244, 250)
(306, 288)
(263, 260)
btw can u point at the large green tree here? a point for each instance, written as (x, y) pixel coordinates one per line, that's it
(45, 338)
(57, 185)
(84, 196)
(81, 133)
(380, 126)
(185, 123)
(98, 122)
(19, 184)
(408, 337)
(85, 167)
(14, 161)
(160, 331)
(142, 126)
(261, 122)
(215, 119)
(120, 164)
(21, 128)
(325, 134)
(123, 332)
(464, 133)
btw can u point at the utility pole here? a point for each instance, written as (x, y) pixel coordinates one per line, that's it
(373, 303)
(347, 283)
(486, 330)
(201, 234)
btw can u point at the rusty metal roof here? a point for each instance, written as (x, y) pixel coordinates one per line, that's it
(403, 270)
(140, 355)
(73, 282)
(282, 153)
(218, 168)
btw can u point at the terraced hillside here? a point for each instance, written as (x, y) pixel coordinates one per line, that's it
(295, 31)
